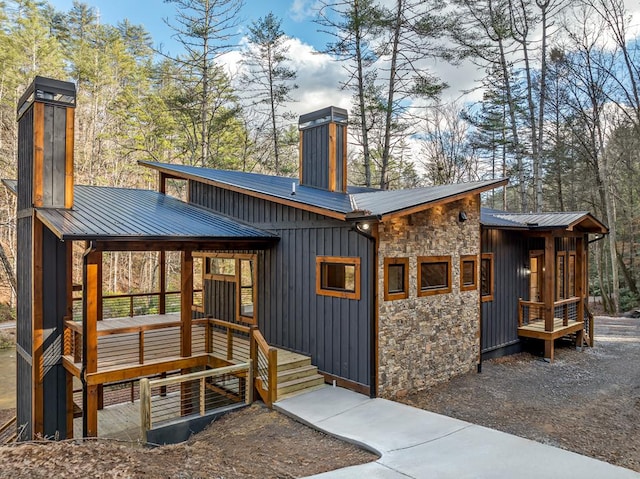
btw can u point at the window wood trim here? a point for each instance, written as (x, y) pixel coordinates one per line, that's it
(434, 259)
(405, 281)
(492, 279)
(347, 260)
(474, 259)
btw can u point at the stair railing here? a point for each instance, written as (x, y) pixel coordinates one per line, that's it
(265, 364)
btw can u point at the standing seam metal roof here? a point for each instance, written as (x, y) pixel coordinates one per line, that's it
(358, 202)
(554, 220)
(106, 213)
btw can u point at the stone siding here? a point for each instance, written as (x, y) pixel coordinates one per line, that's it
(428, 339)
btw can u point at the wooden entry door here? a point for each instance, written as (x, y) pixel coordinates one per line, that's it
(536, 276)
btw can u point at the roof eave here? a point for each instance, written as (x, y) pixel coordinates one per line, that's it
(441, 201)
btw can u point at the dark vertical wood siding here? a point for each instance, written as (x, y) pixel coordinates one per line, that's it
(54, 271)
(55, 124)
(24, 336)
(315, 156)
(25, 160)
(335, 332)
(220, 299)
(500, 317)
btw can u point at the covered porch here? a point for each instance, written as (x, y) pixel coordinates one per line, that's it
(99, 350)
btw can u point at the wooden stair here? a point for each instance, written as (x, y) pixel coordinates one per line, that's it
(296, 375)
(9, 431)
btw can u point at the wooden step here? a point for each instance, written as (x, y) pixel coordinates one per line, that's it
(302, 391)
(300, 384)
(292, 361)
(296, 373)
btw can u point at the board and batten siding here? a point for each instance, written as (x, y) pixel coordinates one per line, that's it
(500, 316)
(335, 332)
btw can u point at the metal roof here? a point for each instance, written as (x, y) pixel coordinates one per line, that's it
(114, 214)
(385, 202)
(358, 202)
(541, 221)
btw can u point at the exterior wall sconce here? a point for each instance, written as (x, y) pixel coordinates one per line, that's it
(462, 217)
(363, 227)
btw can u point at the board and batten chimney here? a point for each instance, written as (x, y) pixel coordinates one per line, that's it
(323, 149)
(45, 118)
(45, 144)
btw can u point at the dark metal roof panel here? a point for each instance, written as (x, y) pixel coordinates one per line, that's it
(275, 186)
(102, 213)
(390, 201)
(554, 220)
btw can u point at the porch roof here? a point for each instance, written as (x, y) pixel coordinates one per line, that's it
(356, 203)
(570, 221)
(124, 214)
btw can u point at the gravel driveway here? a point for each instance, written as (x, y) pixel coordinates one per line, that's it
(586, 401)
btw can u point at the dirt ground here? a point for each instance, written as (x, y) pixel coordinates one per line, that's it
(587, 402)
(252, 443)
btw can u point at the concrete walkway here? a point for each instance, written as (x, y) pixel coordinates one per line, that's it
(414, 443)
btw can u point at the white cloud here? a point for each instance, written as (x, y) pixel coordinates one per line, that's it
(301, 10)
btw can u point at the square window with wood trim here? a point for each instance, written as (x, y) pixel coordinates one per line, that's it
(468, 272)
(396, 278)
(486, 277)
(434, 275)
(338, 276)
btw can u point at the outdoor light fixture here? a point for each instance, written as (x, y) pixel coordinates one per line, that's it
(462, 217)
(363, 227)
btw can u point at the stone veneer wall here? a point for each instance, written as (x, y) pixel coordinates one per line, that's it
(428, 339)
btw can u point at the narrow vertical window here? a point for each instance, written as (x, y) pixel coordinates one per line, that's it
(561, 276)
(396, 278)
(572, 275)
(468, 272)
(486, 277)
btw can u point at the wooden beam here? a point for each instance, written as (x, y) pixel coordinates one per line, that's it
(68, 175)
(332, 157)
(186, 302)
(91, 300)
(38, 154)
(37, 328)
(344, 159)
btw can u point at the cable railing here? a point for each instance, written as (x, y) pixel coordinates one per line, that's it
(163, 401)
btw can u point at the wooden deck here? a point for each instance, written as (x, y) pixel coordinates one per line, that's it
(131, 348)
(535, 329)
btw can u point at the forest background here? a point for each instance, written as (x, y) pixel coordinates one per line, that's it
(556, 105)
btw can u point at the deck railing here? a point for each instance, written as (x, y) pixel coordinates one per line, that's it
(265, 367)
(532, 311)
(194, 394)
(135, 304)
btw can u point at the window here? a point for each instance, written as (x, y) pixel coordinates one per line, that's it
(396, 278)
(486, 277)
(468, 272)
(236, 271)
(572, 275)
(434, 275)
(561, 290)
(338, 276)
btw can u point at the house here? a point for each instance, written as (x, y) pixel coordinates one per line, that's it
(380, 291)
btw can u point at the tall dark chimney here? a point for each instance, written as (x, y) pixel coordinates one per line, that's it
(323, 149)
(45, 144)
(45, 180)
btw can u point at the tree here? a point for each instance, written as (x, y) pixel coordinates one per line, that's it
(205, 30)
(269, 79)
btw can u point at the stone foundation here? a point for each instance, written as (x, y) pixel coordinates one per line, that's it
(428, 339)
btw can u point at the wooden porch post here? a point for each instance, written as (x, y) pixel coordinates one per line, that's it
(549, 291)
(186, 314)
(92, 295)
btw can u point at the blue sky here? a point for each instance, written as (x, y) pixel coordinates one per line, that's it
(296, 15)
